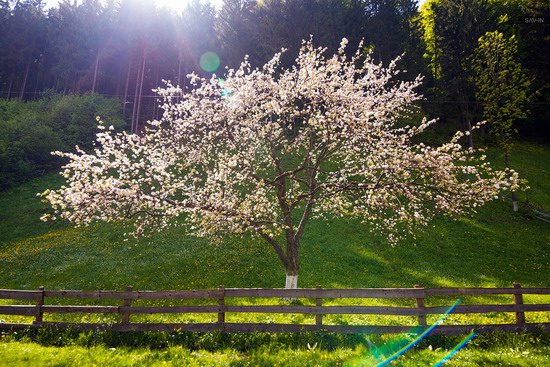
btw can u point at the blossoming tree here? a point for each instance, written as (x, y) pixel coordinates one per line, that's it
(265, 150)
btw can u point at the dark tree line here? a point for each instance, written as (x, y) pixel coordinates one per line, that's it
(126, 48)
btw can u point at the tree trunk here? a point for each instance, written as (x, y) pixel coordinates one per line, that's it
(125, 102)
(39, 81)
(507, 164)
(155, 104)
(515, 201)
(291, 281)
(25, 77)
(96, 67)
(470, 137)
(141, 89)
(465, 115)
(179, 71)
(133, 129)
(10, 85)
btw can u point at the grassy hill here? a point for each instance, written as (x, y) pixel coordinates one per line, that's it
(494, 247)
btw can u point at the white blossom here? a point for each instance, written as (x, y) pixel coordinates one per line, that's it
(265, 149)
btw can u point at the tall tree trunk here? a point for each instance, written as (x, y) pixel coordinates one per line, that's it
(126, 88)
(25, 78)
(136, 92)
(141, 88)
(96, 67)
(10, 85)
(465, 115)
(470, 137)
(507, 164)
(179, 71)
(155, 104)
(139, 92)
(36, 85)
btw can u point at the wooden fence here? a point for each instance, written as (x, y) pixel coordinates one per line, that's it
(124, 305)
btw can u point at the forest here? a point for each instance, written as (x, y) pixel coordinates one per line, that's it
(60, 67)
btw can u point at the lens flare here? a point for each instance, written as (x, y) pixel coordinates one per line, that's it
(419, 337)
(455, 350)
(209, 61)
(225, 91)
(402, 345)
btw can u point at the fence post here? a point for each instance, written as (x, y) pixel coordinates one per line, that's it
(39, 303)
(318, 303)
(221, 311)
(420, 305)
(518, 300)
(127, 302)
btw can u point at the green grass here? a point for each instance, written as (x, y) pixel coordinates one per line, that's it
(274, 350)
(532, 163)
(494, 247)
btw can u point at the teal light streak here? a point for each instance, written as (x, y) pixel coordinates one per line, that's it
(419, 337)
(455, 350)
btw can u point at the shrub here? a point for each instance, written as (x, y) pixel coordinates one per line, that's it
(32, 130)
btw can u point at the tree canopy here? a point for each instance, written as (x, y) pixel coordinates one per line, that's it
(264, 149)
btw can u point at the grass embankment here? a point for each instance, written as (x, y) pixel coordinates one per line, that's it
(494, 247)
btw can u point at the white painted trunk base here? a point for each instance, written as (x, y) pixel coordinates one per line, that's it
(291, 281)
(516, 206)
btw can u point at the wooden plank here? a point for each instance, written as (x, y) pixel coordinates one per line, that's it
(80, 309)
(185, 294)
(169, 309)
(467, 309)
(153, 295)
(87, 294)
(308, 310)
(21, 310)
(20, 294)
(379, 329)
(463, 329)
(328, 310)
(295, 328)
(325, 293)
(237, 327)
(483, 291)
(276, 293)
(534, 307)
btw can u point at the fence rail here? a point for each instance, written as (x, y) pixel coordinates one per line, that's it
(418, 294)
